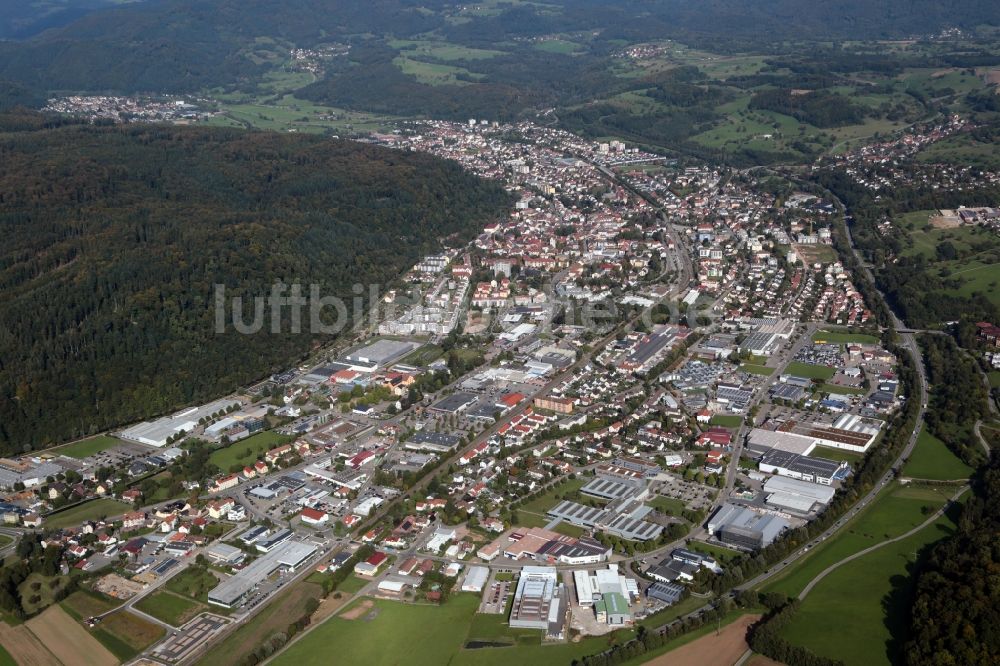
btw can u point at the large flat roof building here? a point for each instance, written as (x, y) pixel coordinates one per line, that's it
(539, 601)
(234, 589)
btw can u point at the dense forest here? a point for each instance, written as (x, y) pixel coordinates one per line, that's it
(955, 618)
(958, 397)
(114, 238)
(818, 108)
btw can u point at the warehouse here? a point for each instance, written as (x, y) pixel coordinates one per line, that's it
(379, 353)
(234, 589)
(156, 433)
(800, 496)
(612, 608)
(222, 553)
(475, 579)
(792, 465)
(454, 403)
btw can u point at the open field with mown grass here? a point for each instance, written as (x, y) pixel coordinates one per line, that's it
(88, 447)
(866, 599)
(246, 451)
(932, 459)
(95, 509)
(809, 370)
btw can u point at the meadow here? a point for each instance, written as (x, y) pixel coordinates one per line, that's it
(932, 459)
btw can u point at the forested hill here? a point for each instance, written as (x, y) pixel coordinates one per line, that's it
(172, 46)
(114, 237)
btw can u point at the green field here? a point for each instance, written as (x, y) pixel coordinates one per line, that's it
(809, 370)
(352, 584)
(168, 607)
(88, 447)
(246, 451)
(867, 600)
(722, 555)
(994, 377)
(194, 583)
(932, 459)
(546, 501)
(842, 390)
(423, 356)
(5, 658)
(843, 337)
(727, 420)
(124, 634)
(392, 637)
(836, 454)
(668, 505)
(46, 593)
(561, 46)
(91, 510)
(757, 369)
(894, 512)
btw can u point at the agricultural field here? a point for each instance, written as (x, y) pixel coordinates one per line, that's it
(809, 370)
(895, 511)
(843, 337)
(124, 634)
(866, 599)
(442, 50)
(169, 607)
(435, 74)
(88, 447)
(291, 114)
(562, 46)
(246, 451)
(95, 509)
(932, 459)
(68, 641)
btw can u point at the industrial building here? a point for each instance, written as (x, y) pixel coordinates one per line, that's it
(156, 433)
(623, 518)
(234, 589)
(668, 593)
(798, 496)
(744, 528)
(816, 470)
(378, 354)
(539, 601)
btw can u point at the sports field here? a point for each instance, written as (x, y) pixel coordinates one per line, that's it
(894, 512)
(727, 420)
(932, 459)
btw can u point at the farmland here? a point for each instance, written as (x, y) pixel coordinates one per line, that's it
(124, 634)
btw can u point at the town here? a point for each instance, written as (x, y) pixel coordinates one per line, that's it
(581, 418)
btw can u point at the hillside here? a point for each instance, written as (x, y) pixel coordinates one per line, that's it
(114, 238)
